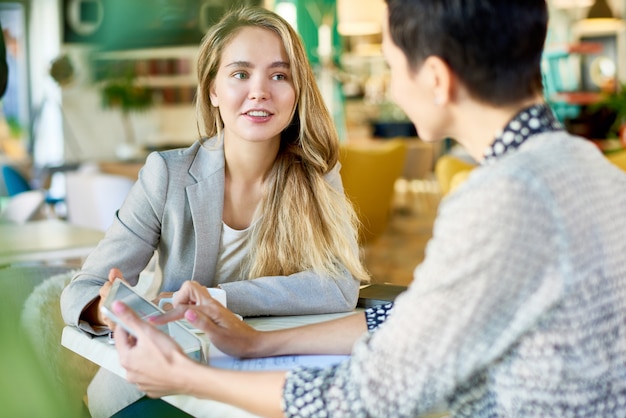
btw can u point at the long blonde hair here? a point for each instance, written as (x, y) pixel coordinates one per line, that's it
(306, 223)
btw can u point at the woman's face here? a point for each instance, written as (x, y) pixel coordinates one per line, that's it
(412, 91)
(253, 87)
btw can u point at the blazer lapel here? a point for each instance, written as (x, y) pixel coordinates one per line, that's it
(206, 202)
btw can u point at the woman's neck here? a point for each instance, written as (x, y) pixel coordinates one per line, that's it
(479, 123)
(249, 162)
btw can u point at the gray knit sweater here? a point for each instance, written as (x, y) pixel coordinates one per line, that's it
(518, 310)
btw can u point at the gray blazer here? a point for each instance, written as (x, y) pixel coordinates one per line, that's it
(176, 207)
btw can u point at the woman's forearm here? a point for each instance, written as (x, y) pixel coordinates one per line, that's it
(257, 392)
(329, 337)
(261, 392)
(238, 338)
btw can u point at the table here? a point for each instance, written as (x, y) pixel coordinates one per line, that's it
(104, 354)
(128, 169)
(45, 240)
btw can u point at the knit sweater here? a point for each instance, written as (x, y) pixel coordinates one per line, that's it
(518, 310)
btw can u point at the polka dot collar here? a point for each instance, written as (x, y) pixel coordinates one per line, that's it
(528, 122)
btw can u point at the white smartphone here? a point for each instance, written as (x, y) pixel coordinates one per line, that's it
(120, 290)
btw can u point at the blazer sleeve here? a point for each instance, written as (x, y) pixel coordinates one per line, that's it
(303, 293)
(128, 244)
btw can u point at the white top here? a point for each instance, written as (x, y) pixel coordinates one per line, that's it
(234, 247)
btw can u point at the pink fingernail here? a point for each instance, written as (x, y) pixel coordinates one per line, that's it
(118, 307)
(191, 316)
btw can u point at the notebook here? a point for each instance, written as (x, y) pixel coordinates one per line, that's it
(378, 294)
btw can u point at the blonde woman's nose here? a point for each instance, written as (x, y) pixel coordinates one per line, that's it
(258, 89)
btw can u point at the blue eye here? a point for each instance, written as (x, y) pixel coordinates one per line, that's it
(279, 77)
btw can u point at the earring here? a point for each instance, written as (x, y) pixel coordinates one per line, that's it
(438, 100)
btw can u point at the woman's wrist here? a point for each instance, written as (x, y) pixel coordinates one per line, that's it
(259, 345)
(188, 379)
(91, 314)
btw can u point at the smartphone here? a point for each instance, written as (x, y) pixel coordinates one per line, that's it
(191, 344)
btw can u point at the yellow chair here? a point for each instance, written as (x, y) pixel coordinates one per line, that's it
(618, 158)
(451, 171)
(369, 174)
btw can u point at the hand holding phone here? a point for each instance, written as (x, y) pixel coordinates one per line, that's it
(97, 314)
(120, 290)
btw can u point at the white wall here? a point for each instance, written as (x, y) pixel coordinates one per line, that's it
(44, 45)
(97, 132)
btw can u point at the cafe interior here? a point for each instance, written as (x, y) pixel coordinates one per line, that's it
(72, 142)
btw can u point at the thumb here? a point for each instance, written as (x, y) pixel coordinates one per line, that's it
(115, 273)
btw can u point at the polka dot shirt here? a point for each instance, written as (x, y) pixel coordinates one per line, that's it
(559, 353)
(531, 121)
(300, 398)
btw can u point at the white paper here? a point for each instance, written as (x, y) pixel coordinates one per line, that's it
(223, 361)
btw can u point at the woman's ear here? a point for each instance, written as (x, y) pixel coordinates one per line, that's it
(440, 78)
(213, 96)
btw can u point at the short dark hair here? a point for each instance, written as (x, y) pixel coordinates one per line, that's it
(493, 46)
(4, 67)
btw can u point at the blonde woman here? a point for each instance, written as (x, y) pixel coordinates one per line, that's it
(256, 207)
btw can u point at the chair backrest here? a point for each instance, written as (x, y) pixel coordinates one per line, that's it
(369, 174)
(618, 158)
(42, 324)
(420, 158)
(93, 198)
(15, 182)
(24, 207)
(447, 167)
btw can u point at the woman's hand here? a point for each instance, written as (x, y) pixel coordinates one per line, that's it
(225, 330)
(155, 363)
(153, 360)
(93, 313)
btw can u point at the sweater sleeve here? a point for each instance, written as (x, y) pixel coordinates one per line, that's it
(491, 269)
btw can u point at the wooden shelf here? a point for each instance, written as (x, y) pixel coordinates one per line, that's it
(581, 98)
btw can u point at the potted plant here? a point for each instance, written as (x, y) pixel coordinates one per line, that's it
(120, 90)
(616, 102)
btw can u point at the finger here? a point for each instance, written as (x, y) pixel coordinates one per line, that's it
(191, 293)
(198, 319)
(112, 325)
(106, 320)
(104, 290)
(115, 273)
(122, 341)
(169, 316)
(210, 318)
(224, 329)
(102, 318)
(129, 318)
